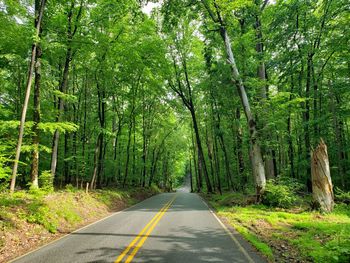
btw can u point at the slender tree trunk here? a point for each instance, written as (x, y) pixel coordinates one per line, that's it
(210, 156)
(66, 163)
(257, 161)
(338, 138)
(127, 154)
(223, 147)
(102, 121)
(198, 179)
(289, 130)
(84, 139)
(270, 167)
(201, 160)
(239, 143)
(26, 99)
(191, 182)
(19, 93)
(71, 31)
(34, 173)
(96, 159)
(217, 164)
(63, 88)
(307, 114)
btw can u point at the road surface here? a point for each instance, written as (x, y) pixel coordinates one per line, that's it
(170, 227)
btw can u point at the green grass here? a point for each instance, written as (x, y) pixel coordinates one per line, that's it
(255, 240)
(315, 236)
(64, 209)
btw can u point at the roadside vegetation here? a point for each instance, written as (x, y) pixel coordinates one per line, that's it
(31, 218)
(284, 227)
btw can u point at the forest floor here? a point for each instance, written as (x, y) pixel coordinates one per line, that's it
(288, 235)
(30, 220)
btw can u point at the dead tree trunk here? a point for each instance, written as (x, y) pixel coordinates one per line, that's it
(322, 188)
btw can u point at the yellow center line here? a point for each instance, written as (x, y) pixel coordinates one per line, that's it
(119, 259)
(142, 241)
(164, 208)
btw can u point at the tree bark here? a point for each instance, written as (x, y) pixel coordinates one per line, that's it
(322, 188)
(257, 161)
(71, 31)
(26, 100)
(34, 173)
(96, 160)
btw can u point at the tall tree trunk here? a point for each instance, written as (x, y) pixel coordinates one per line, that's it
(201, 160)
(19, 93)
(217, 164)
(270, 167)
(210, 156)
(63, 88)
(239, 143)
(307, 114)
(96, 160)
(289, 131)
(337, 126)
(34, 173)
(66, 163)
(26, 99)
(127, 154)
(257, 161)
(102, 120)
(223, 147)
(191, 181)
(198, 178)
(71, 31)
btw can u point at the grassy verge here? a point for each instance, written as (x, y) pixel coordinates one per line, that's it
(289, 235)
(29, 219)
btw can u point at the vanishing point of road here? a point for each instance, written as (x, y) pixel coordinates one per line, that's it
(170, 227)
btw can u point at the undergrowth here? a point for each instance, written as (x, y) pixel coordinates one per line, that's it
(315, 236)
(62, 210)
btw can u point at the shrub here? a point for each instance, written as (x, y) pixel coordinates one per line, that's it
(341, 196)
(278, 194)
(5, 173)
(46, 181)
(37, 212)
(70, 188)
(155, 189)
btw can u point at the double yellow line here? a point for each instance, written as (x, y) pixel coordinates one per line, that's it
(140, 239)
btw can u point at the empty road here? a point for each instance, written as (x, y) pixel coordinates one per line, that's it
(170, 227)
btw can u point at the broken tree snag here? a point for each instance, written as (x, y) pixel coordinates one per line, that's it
(322, 188)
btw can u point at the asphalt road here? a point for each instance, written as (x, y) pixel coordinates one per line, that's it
(171, 227)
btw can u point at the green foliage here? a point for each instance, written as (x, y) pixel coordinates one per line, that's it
(260, 245)
(5, 173)
(341, 196)
(46, 181)
(66, 97)
(280, 193)
(39, 213)
(317, 237)
(70, 188)
(63, 127)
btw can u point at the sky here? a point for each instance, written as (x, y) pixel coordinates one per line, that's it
(149, 7)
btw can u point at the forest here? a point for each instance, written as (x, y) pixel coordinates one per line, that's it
(120, 97)
(236, 94)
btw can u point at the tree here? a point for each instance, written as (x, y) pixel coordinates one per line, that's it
(38, 22)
